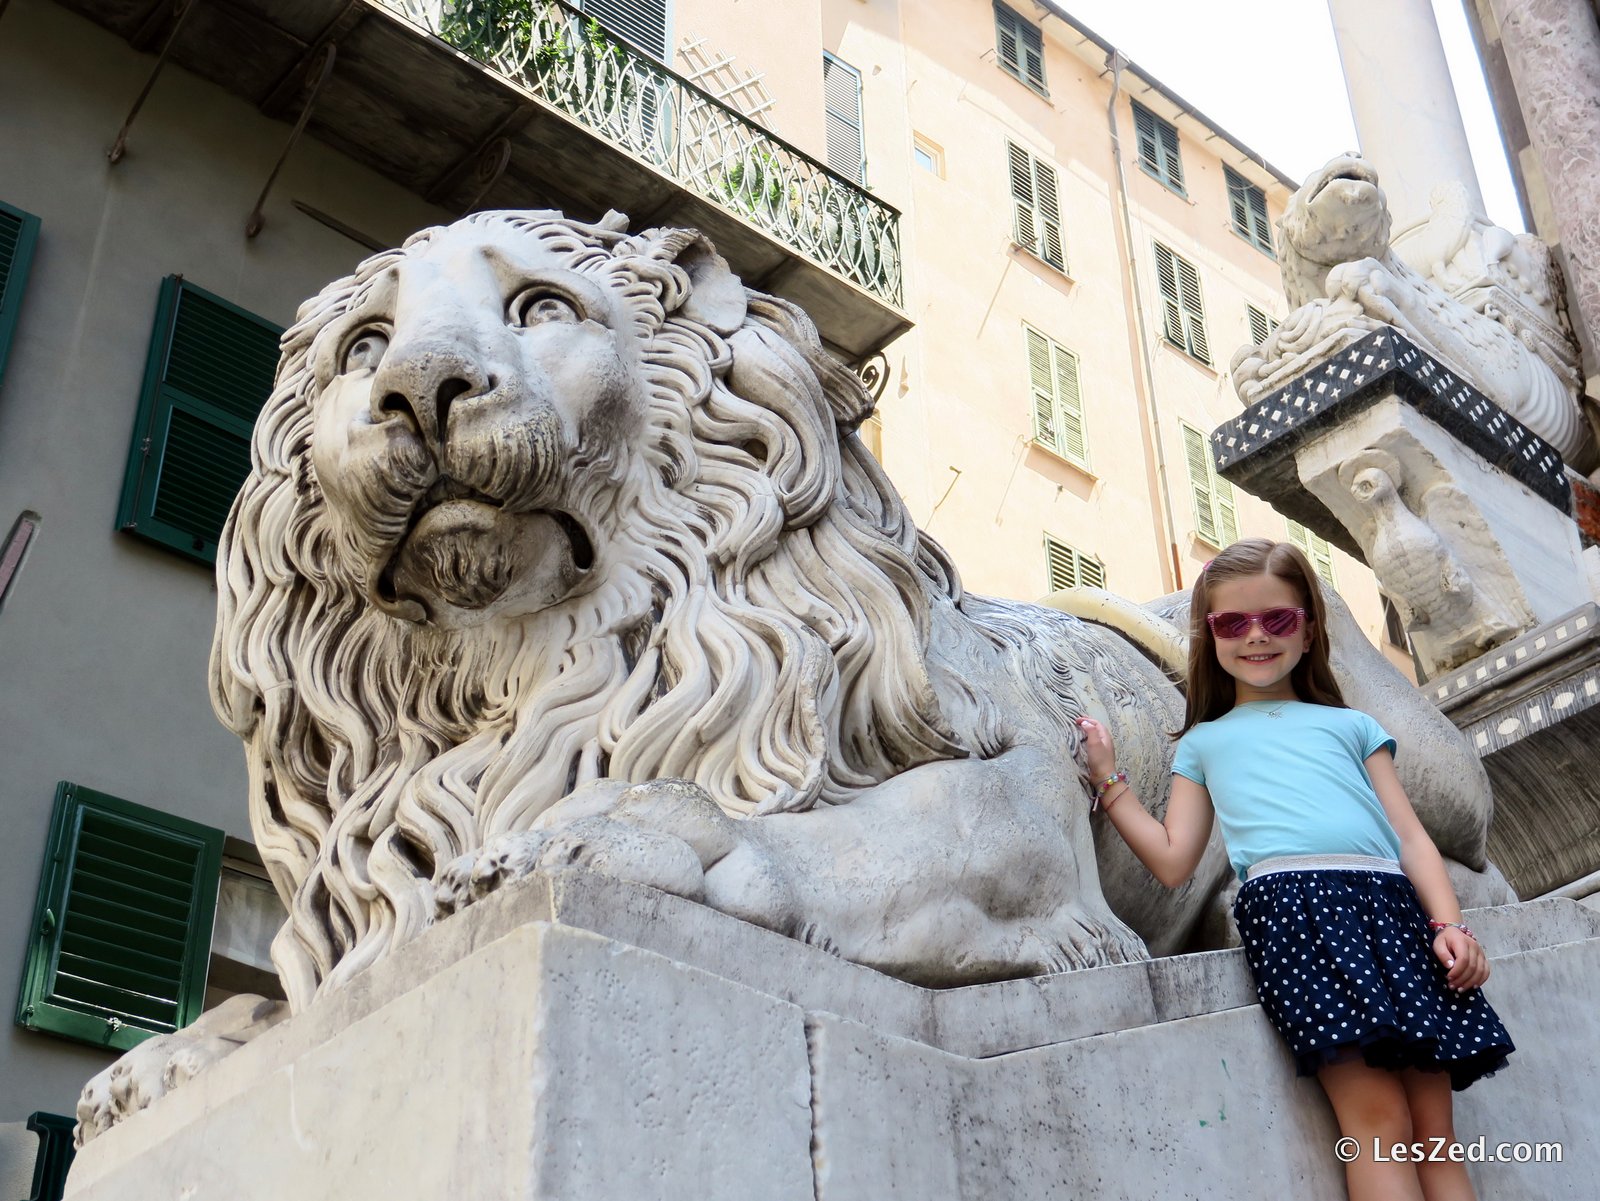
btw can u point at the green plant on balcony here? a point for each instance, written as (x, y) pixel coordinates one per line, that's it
(753, 184)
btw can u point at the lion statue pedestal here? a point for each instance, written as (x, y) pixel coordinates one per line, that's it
(578, 1037)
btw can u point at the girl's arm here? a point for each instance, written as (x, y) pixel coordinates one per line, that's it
(1170, 849)
(1420, 860)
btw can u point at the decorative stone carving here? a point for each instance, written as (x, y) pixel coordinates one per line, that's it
(560, 551)
(1344, 280)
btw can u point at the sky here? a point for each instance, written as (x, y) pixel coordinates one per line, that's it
(1291, 106)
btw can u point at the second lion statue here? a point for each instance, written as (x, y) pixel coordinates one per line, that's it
(559, 548)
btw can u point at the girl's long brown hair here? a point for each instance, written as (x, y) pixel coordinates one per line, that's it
(1211, 690)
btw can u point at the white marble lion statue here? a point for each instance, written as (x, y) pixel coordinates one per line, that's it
(559, 550)
(1343, 279)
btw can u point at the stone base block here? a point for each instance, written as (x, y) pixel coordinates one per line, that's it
(579, 1038)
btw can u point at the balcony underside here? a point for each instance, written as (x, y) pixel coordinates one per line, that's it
(428, 117)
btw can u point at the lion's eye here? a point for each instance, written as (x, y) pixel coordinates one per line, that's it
(365, 352)
(539, 307)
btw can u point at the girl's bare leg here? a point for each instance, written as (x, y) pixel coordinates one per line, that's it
(1372, 1103)
(1428, 1094)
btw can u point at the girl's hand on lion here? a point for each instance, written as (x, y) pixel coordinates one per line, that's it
(1098, 752)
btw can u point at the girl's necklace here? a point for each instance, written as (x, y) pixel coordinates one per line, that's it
(1278, 712)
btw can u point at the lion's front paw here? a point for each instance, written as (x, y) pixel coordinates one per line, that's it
(500, 861)
(160, 1065)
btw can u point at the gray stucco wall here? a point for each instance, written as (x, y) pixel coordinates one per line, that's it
(103, 642)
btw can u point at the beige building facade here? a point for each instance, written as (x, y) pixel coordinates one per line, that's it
(951, 119)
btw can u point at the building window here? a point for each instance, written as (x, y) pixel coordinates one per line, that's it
(1020, 48)
(122, 925)
(927, 155)
(841, 96)
(1248, 204)
(1158, 148)
(641, 23)
(1035, 207)
(18, 232)
(1057, 398)
(1210, 495)
(1261, 325)
(1394, 626)
(1068, 567)
(210, 370)
(1316, 549)
(1183, 315)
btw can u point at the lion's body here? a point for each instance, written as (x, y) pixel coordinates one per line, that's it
(540, 511)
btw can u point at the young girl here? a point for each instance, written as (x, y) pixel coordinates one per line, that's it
(1344, 895)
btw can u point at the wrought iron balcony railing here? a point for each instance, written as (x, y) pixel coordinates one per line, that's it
(572, 62)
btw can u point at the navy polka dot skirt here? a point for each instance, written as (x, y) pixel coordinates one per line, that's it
(1344, 965)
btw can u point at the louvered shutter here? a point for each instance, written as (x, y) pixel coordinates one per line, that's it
(1158, 147)
(841, 94)
(18, 233)
(1144, 125)
(1248, 204)
(1171, 305)
(1069, 406)
(1050, 249)
(1019, 47)
(1317, 550)
(1227, 516)
(641, 23)
(1171, 160)
(210, 370)
(1068, 567)
(1198, 457)
(122, 925)
(1005, 39)
(1041, 384)
(1025, 229)
(1194, 312)
(1261, 326)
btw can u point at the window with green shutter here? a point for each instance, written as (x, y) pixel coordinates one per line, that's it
(18, 232)
(1057, 398)
(1069, 567)
(1248, 204)
(1019, 48)
(1035, 206)
(209, 372)
(1210, 496)
(1158, 148)
(1183, 314)
(841, 97)
(1261, 325)
(122, 925)
(1316, 549)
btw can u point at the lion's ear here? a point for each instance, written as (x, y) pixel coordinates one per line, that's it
(716, 295)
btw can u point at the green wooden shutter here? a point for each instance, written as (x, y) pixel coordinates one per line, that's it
(1024, 202)
(1041, 385)
(841, 96)
(1194, 313)
(1069, 406)
(1019, 47)
(1197, 455)
(1050, 249)
(1248, 204)
(1171, 304)
(122, 925)
(1316, 549)
(1158, 147)
(641, 23)
(210, 370)
(1068, 567)
(18, 233)
(1227, 516)
(1261, 325)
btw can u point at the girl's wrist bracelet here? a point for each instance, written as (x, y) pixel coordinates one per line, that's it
(1120, 777)
(1435, 927)
(1116, 796)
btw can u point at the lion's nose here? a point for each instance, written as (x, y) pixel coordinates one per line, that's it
(420, 388)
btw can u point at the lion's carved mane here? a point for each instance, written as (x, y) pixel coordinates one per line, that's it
(758, 628)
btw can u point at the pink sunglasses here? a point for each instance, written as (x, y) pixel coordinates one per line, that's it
(1279, 623)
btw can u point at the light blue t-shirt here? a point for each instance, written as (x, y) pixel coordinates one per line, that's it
(1289, 778)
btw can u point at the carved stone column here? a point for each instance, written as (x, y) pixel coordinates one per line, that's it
(1403, 101)
(1553, 50)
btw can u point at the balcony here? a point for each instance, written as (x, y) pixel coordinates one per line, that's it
(531, 104)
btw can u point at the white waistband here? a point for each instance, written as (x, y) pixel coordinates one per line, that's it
(1322, 863)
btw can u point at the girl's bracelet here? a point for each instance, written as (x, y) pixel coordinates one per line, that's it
(1120, 777)
(1434, 928)
(1116, 796)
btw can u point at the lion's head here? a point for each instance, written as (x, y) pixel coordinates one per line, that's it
(536, 502)
(1338, 215)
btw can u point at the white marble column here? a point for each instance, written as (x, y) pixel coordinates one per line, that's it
(1552, 48)
(1404, 104)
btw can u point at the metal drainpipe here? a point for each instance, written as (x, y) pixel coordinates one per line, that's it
(1170, 570)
